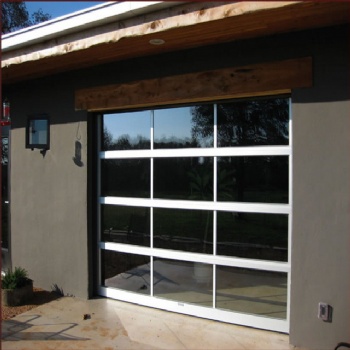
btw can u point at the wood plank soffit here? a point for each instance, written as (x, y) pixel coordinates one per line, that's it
(186, 15)
(257, 79)
(186, 26)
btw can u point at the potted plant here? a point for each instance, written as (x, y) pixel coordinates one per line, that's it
(16, 287)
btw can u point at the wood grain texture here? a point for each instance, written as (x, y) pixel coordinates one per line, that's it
(182, 27)
(258, 79)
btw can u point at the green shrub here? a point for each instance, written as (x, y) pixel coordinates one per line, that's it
(15, 279)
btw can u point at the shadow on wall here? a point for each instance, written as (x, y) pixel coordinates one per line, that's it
(77, 154)
(342, 345)
(55, 288)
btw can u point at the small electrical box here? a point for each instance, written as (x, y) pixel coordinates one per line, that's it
(324, 312)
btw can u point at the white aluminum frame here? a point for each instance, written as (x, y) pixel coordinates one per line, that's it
(280, 325)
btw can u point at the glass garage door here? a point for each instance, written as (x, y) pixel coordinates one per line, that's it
(194, 209)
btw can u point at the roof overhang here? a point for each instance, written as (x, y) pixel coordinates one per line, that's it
(92, 37)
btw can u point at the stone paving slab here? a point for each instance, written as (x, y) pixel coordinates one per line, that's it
(110, 324)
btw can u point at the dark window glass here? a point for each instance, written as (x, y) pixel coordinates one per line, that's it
(253, 122)
(125, 177)
(253, 179)
(252, 235)
(129, 272)
(184, 127)
(254, 292)
(183, 178)
(125, 131)
(124, 224)
(187, 230)
(183, 281)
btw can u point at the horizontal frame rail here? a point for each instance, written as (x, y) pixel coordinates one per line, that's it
(199, 205)
(197, 257)
(199, 152)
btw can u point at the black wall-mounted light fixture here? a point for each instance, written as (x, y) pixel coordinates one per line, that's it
(38, 132)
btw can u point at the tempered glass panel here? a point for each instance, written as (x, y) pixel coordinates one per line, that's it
(129, 272)
(38, 132)
(253, 122)
(252, 235)
(124, 224)
(255, 292)
(123, 131)
(184, 127)
(187, 230)
(39, 136)
(253, 179)
(183, 178)
(125, 177)
(183, 281)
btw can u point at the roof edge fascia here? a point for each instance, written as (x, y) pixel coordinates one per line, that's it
(80, 20)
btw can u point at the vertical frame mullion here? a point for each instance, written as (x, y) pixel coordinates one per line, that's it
(98, 195)
(215, 186)
(290, 215)
(215, 179)
(151, 197)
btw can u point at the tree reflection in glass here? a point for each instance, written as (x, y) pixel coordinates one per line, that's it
(174, 128)
(261, 179)
(172, 178)
(126, 131)
(263, 121)
(186, 230)
(253, 235)
(253, 122)
(125, 177)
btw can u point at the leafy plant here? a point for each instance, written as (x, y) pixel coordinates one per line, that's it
(15, 279)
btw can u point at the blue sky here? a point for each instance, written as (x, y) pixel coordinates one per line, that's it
(59, 8)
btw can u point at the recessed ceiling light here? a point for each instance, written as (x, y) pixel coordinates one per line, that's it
(156, 41)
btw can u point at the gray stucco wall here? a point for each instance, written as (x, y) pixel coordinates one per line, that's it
(51, 221)
(49, 194)
(321, 231)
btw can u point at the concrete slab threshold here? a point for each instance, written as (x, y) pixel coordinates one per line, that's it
(71, 323)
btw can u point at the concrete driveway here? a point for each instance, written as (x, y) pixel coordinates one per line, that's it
(71, 323)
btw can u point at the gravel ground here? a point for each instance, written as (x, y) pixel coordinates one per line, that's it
(40, 297)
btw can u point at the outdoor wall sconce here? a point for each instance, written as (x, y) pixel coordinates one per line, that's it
(38, 133)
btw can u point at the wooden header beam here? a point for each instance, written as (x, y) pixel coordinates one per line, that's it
(257, 79)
